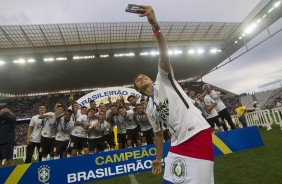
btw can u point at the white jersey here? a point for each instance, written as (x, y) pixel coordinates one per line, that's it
(142, 120)
(98, 131)
(209, 101)
(219, 104)
(75, 117)
(201, 106)
(278, 104)
(120, 123)
(49, 129)
(129, 120)
(170, 106)
(79, 131)
(37, 125)
(64, 130)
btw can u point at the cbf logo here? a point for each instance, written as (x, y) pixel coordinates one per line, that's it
(178, 170)
(43, 173)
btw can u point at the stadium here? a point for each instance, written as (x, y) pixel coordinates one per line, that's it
(97, 61)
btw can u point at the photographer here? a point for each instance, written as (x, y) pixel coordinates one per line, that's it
(7, 136)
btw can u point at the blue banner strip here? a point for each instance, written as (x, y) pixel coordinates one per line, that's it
(120, 162)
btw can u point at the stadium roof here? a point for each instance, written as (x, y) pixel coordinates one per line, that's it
(88, 55)
(35, 36)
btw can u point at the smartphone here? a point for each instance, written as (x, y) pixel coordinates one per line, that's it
(132, 8)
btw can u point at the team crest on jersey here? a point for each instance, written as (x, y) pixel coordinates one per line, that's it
(43, 173)
(163, 109)
(178, 170)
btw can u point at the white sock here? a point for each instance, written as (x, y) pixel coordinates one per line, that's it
(129, 147)
(51, 158)
(56, 157)
(44, 159)
(144, 144)
(68, 155)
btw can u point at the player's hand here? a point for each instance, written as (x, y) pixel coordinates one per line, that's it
(85, 125)
(71, 97)
(149, 12)
(156, 167)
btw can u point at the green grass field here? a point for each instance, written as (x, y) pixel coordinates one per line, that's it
(262, 165)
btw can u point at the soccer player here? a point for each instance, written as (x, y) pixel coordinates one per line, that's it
(132, 133)
(121, 128)
(79, 133)
(220, 107)
(141, 118)
(33, 137)
(49, 131)
(96, 133)
(64, 128)
(109, 135)
(190, 159)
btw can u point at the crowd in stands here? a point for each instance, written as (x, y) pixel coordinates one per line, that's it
(20, 130)
(25, 108)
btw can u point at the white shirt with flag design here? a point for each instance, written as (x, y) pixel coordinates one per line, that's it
(170, 106)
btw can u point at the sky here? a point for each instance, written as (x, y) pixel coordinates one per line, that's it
(259, 66)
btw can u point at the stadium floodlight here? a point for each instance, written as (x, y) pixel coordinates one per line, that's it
(154, 53)
(250, 28)
(61, 58)
(130, 54)
(144, 53)
(119, 55)
(258, 21)
(270, 10)
(2, 62)
(277, 4)
(48, 59)
(213, 51)
(177, 52)
(219, 50)
(200, 51)
(19, 61)
(191, 51)
(104, 55)
(125, 54)
(31, 60)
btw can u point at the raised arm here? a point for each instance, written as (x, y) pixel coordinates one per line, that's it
(164, 62)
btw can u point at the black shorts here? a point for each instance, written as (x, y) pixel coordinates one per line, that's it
(60, 146)
(6, 151)
(121, 138)
(110, 138)
(78, 142)
(99, 144)
(149, 134)
(132, 134)
(213, 121)
(167, 135)
(47, 145)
